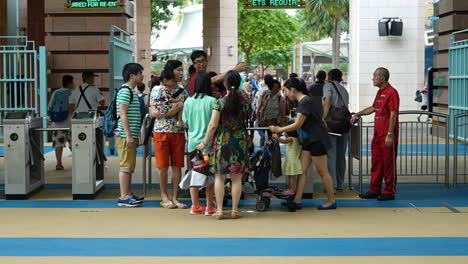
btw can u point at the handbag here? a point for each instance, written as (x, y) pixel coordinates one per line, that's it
(268, 122)
(338, 117)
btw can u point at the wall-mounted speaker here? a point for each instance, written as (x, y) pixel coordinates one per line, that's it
(390, 26)
(383, 28)
(396, 28)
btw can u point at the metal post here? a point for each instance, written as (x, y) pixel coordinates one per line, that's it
(301, 60)
(447, 149)
(43, 85)
(455, 151)
(360, 155)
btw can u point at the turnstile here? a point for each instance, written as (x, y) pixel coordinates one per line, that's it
(88, 155)
(24, 160)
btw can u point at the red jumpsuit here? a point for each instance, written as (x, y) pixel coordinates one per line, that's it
(383, 158)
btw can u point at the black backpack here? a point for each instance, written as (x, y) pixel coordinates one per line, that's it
(338, 118)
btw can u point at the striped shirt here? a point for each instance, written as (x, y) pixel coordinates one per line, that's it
(134, 114)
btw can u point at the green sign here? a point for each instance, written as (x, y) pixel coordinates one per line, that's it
(93, 4)
(274, 4)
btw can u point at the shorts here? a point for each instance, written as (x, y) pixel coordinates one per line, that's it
(169, 150)
(60, 138)
(127, 156)
(315, 148)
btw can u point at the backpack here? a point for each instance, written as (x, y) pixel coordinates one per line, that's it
(111, 119)
(59, 106)
(338, 117)
(82, 95)
(143, 109)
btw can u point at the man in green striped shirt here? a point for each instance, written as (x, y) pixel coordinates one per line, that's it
(128, 129)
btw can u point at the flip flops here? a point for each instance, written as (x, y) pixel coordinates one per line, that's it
(180, 205)
(168, 204)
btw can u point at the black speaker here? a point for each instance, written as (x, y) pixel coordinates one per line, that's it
(396, 28)
(383, 28)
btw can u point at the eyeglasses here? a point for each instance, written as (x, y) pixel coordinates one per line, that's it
(200, 61)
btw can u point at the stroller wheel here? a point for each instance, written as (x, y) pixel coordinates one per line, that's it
(261, 205)
(267, 201)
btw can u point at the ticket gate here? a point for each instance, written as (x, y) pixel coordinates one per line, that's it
(24, 158)
(88, 155)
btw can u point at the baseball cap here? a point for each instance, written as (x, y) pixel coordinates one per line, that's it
(88, 74)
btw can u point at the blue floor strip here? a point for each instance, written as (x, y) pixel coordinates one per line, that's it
(186, 247)
(275, 204)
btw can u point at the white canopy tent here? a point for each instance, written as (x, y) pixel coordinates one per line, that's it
(321, 48)
(181, 40)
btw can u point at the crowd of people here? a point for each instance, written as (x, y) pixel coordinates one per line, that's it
(211, 115)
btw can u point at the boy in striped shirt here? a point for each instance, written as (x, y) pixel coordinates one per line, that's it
(128, 130)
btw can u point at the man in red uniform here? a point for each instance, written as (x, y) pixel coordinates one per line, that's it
(385, 141)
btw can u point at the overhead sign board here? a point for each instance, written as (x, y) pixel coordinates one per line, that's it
(79, 5)
(274, 4)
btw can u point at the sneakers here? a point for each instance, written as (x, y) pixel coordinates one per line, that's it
(368, 195)
(128, 202)
(210, 211)
(197, 210)
(386, 197)
(138, 198)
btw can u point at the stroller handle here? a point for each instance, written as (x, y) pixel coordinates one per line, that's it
(258, 128)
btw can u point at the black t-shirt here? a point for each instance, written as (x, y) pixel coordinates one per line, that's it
(313, 126)
(316, 89)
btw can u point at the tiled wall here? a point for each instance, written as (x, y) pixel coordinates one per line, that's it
(403, 56)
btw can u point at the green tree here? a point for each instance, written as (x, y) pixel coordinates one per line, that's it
(272, 58)
(330, 18)
(264, 30)
(305, 32)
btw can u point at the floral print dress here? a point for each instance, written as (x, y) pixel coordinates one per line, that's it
(229, 151)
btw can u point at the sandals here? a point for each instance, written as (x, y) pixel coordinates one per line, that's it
(180, 205)
(168, 204)
(219, 215)
(288, 192)
(235, 214)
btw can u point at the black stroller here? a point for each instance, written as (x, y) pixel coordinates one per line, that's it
(261, 170)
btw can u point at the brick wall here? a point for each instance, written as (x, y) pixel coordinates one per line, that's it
(79, 40)
(453, 16)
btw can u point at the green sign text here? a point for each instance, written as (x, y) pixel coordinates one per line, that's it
(273, 4)
(93, 4)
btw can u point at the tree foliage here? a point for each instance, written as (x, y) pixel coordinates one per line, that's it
(264, 30)
(273, 58)
(328, 18)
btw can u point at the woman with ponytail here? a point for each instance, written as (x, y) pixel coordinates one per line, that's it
(314, 137)
(227, 133)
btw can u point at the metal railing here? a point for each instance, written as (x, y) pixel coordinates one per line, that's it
(460, 147)
(423, 153)
(23, 80)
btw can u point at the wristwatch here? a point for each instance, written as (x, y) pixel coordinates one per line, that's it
(390, 134)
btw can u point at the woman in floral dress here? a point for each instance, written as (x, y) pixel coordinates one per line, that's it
(227, 133)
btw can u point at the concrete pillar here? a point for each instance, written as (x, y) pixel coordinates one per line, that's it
(143, 35)
(403, 55)
(220, 33)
